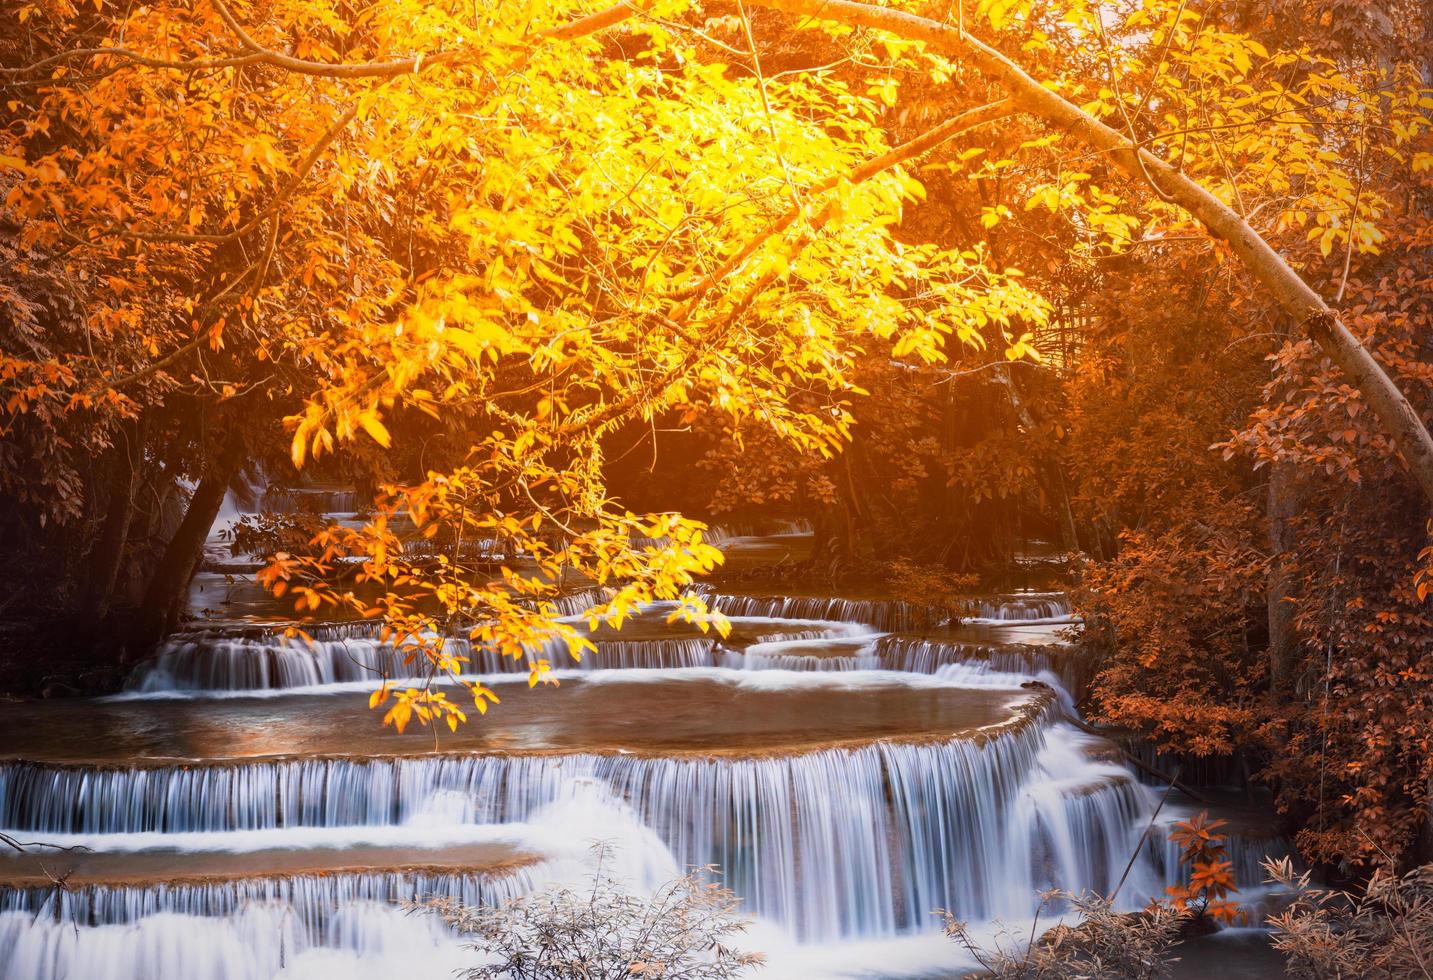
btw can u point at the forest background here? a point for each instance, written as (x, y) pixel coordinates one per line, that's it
(554, 274)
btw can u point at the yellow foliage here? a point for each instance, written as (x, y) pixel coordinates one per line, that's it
(605, 241)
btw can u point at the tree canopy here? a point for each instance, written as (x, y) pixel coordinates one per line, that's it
(463, 250)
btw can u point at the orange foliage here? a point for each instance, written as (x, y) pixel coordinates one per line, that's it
(1211, 877)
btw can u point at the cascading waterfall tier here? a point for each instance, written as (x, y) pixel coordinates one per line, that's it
(67, 796)
(806, 653)
(270, 663)
(260, 941)
(882, 614)
(259, 659)
(311, 899)
(896, 616)
(832, 844)
(1017, 607)
(919, 655)
(845, 782)
(324, 500)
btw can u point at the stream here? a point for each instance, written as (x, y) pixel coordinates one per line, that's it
(848, 765)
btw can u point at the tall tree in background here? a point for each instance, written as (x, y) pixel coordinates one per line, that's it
(526, 229)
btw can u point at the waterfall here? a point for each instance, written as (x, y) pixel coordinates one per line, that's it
(571, 604)
(830, 631)
(473, 549)
(924, 656)
(262, 658)
(895, 616)
(257, 927)
(806, 652)
(831, 844)
(257, 943)
(884, 614)
(323, 500)
(207, 664)
(259, 663)
(309, 899)
(1017, 607)
(720, 534)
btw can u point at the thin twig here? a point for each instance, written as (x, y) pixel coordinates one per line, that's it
(1144, 836)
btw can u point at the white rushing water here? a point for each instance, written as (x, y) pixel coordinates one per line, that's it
(352, 654)
(829, 844)
(840, 854)
(1027, 608)
(205, 664)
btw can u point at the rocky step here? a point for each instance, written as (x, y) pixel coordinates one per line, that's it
(897, 615)
(691, 711)
(109, 891)
(80, 861)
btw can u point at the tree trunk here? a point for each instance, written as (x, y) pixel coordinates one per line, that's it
(1069, 540)
(1395, 414)
(108, 555)
(164, 598)
(1283, 505)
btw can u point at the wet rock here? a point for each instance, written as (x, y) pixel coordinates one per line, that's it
(58, 687)
(102, 680)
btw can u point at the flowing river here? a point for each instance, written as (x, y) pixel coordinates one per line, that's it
(848, 766)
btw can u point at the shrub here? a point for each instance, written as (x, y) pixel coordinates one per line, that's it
(1384, 932)
(1205, 896)
(1105, 945)
(605, 932)
(1110, 945)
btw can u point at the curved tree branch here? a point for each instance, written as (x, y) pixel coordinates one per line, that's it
(908, 150)
(1297, 297)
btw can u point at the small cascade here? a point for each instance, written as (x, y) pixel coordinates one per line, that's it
(830, 632)
(889, 615)
(644, 654)
(336, 631)
(201, 663)
(491, 550)
(809, 650)
(207, 664)
(1246, 854)
(972, 825)
(576, 603)
(796, 662)
(1019, 607)
(1081, 816)
(320, 500)
(720, 534)
(258, 942)
(919, 655)
(310, 899)
(896, 616)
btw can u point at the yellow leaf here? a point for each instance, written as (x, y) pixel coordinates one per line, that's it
(299, 449)
(375, 428)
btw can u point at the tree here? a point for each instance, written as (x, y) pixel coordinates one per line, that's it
(541, 280)
(540, 227)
